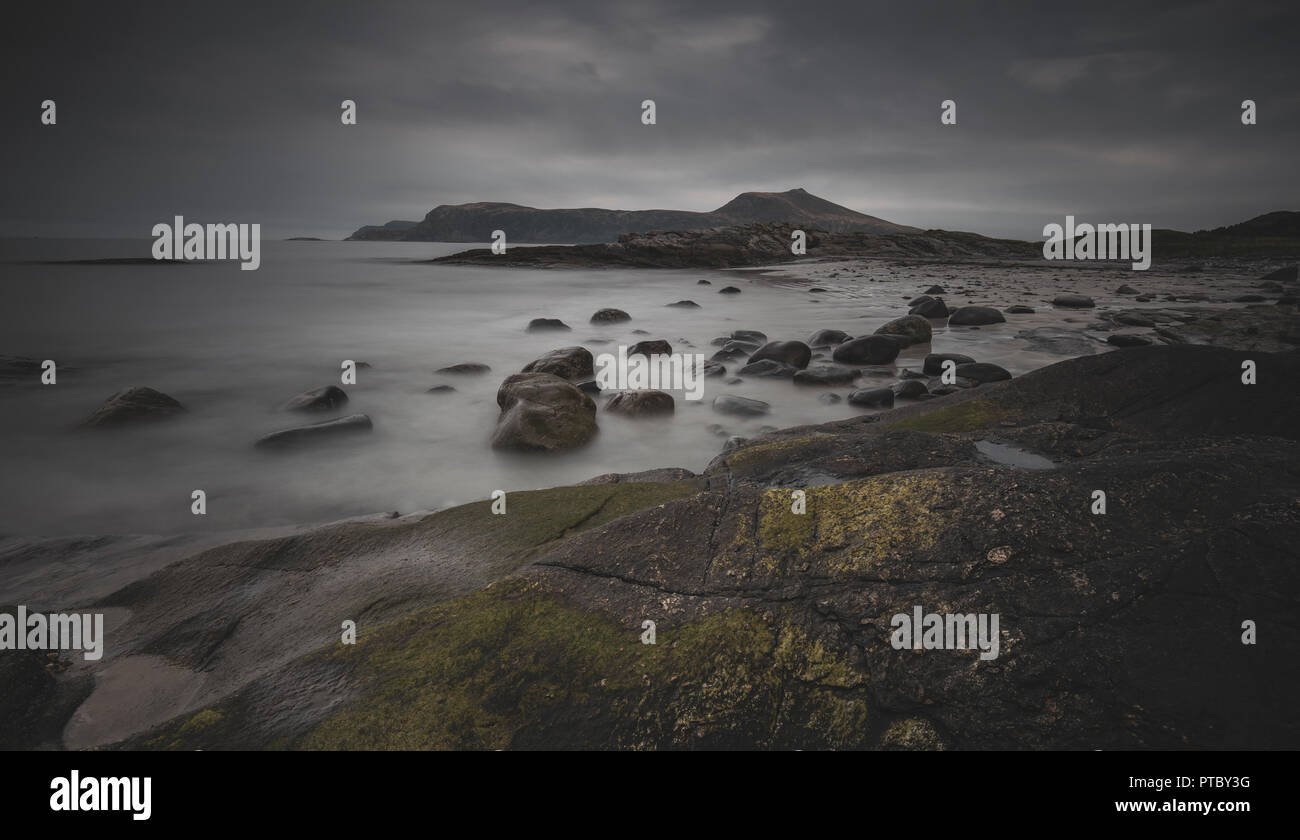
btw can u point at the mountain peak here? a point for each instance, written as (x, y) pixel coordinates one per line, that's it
(799, 205)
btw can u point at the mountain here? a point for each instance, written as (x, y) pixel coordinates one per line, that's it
(1273, 235)
(475, 222)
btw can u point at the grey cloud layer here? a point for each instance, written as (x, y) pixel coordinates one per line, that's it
(1105, 111)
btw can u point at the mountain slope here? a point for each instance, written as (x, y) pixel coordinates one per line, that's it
(475, 222)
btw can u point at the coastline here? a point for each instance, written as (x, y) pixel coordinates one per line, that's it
(219, 617)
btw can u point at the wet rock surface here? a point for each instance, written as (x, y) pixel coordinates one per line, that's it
(542, 412)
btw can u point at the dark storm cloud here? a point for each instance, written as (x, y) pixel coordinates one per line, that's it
(1117, 112)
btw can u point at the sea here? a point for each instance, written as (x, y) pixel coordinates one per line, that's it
(232, 346)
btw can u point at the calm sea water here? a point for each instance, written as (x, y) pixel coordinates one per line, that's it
(233, 345)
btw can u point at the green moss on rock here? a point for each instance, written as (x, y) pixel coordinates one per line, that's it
(514, 664)
(846, 527)
(963, 417)
(912, 734)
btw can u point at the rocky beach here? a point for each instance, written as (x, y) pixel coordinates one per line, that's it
(963, 426)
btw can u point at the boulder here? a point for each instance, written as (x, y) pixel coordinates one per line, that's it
(909, 389)
(930, 308)
(465, 368)
(741, 346)
(641, 403)
(793, 353)
(136, 404)
(828, 338)
(868, 350)
(872, 398)
(325, 430)
(825, 375)
(544, 324)
(934, 362)
(327, 398)
(566, 363)
(974, 316)
(1073, 302)
(649, 348)
(542, 412)
(740, 406)
(983, 372)
(609, 316)
(914, 329)
(769, 367)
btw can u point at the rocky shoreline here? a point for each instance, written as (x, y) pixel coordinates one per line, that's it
(755, 244)
(1121, 631)
(480, 630)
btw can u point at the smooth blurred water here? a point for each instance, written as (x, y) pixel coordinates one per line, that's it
(233, 345)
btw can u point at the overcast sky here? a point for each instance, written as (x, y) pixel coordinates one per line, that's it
(229, 112)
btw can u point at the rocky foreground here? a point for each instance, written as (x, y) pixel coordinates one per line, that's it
(1118, 630)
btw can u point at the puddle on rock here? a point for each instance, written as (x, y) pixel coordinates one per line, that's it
(1013, 456)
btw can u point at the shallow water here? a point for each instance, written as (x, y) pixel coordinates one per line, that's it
(1013, 456)
(233, 345)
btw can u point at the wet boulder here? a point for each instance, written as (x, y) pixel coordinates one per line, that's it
(325, 430)
(975, 316)
(566, 363)
(542, 412)
(914, 329)
(134, 405)
(641, 404)
(610, 316)
(868, 350)
(793, 353)
(546, 324)
(740, 406)
(828, 338)
(318, 399)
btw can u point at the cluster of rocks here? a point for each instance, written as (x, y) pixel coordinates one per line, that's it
(828, 358)
(806, 363)
(550, 404)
